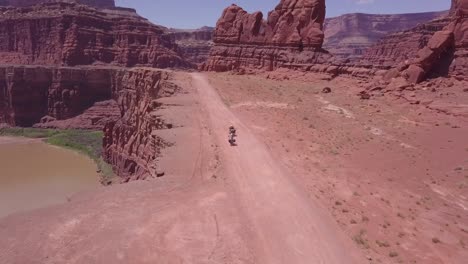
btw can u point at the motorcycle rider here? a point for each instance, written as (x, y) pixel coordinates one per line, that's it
(232, 135)
(232, 130)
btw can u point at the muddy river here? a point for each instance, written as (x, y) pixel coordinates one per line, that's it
(34, 174)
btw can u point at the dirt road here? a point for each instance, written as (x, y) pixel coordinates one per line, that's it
(287, 227)
(217, 204)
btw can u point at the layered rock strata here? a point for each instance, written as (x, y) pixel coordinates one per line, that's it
(68, 97)
(69, 34)
(131, 144)
(291, 37)
(29, 93)
(446, 51)
(194, 45)
(401, 46)
(24, 3)
(350, 36)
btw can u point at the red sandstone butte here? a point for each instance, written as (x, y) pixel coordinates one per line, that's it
(291, 36)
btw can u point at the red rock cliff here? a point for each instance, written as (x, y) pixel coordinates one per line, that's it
(446, 51)
(130, 143)
(351, 35)
(23, 3)
(194, 45)
(29, 93)
(291, 36)
(71, 34)
(398, 47)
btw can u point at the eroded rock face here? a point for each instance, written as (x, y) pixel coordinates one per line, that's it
(459, 65)
(447, 50)
(63, 33)
(350, 36)
(23, 3)
(396, 48)
(66, 97)
(292, 36)
(130, 143)
(30, 93)
(194, 45)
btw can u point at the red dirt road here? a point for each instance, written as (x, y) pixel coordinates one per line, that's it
(288, 228)
(216, 204)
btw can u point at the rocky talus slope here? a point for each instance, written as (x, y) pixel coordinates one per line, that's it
(398, 47)
(67, 33)
(349, 36)
(291, 36)
(446, 51)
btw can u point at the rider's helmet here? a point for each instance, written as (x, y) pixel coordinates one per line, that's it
(231, 127)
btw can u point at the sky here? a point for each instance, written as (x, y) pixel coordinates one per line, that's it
(188, 14)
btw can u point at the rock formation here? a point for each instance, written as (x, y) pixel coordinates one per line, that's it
(24, 3)
(120, 101)
(398, 47)
(291, 37)
(63, 33)
(94, 118)
(130, 144)
(30, 93)
(446, 51)
(77, 55)
(194, 45)
(350, 35)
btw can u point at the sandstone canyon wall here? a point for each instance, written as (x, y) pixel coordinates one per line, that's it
(28, 94)
(63, 33)
(130, 143)
(350, 35)
(446, 51)
(398, 47)
(194, 45)
(291, 36)
(75, 64)
(24, 3)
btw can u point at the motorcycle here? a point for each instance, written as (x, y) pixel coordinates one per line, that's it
(232, 138)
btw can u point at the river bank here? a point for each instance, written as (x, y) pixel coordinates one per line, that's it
(86, 142)
(35, 175)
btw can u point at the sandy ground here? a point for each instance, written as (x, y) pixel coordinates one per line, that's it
(15, 140)
(394, 175)
(315, 179)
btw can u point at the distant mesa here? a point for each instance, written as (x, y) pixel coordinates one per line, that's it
(24, 3)
(194, 44)
(349, 36)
